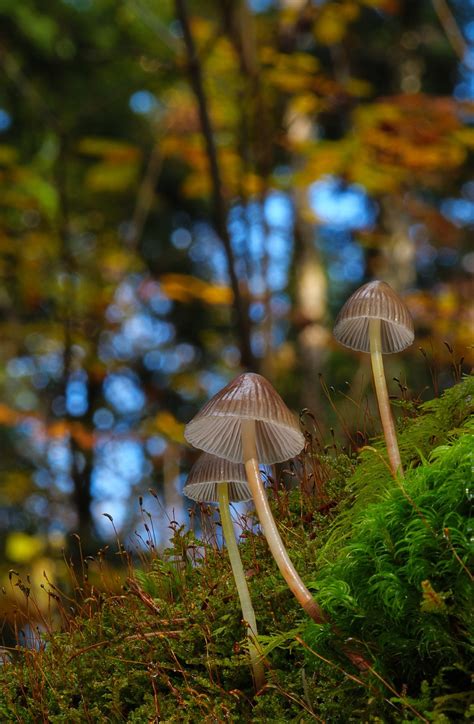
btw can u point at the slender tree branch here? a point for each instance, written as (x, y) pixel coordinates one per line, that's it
(145, 196)
(450, 27)
(257, 135)
(219, 204)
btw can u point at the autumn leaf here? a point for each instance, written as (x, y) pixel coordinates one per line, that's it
(169, 426)
(184, 288)
(21, 547)
(117, 151)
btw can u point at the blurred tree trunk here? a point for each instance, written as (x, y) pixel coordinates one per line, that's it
(393, 260)
(82, 469)
(81, 459)
(81, 474)
(310, 310)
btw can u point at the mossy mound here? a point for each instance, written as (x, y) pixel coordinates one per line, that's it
(388, 561)
(402, 587)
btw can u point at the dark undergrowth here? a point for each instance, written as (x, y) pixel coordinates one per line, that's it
(388, 560)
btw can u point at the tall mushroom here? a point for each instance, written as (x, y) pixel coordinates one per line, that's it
(247, 421)
(375, 320)
(212, 480)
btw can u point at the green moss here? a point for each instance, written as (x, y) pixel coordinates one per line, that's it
(430, 425)
(401, 582)
(388, 561)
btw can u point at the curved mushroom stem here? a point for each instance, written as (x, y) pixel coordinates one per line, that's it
(381, 391)
(270, 529)
(241, 585)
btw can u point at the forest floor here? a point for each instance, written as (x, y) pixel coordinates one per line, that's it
(161, 638)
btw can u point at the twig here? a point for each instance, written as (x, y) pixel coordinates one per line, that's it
(145, 194)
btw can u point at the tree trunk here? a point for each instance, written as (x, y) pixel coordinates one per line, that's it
(310, 297)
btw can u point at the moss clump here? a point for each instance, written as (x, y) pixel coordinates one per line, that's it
(426, 427)
(401, 582)
(389, 562)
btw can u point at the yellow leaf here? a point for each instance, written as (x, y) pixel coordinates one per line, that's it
(171, 146)
(177, 287)
(465, 136)
(37, 189)
(252, 184)
(8, 416)
(196, 186)
(374, 176)
(59, 429)
(302, 62)
(217, 294)
(305, 104)
(106, 148)
(116, 262)
(369, 115)
(289, 81)
(267, 54)
(169, 426)
(328, 157)
(330, 28)
(111, 177)
(22, 548)
(202, 29)
(185, 288)
(358, 87)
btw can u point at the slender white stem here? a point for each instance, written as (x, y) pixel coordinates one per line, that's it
(270, 529)
(375, 340)
(241, 584)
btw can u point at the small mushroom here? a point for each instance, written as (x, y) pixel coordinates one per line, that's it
(247, 421)
(375, 320)
(214, 480)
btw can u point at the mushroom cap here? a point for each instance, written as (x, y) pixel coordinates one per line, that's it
(216, 428)
(208, 471)
(375, 300)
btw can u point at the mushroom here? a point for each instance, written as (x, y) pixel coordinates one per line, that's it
(374, 319)
(214, 480)
(247, 421)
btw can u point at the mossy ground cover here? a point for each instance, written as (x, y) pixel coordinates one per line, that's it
(388, 560)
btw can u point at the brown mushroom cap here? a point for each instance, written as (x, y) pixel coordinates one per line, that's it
(208, 472)
(375, 300)
(216, 428)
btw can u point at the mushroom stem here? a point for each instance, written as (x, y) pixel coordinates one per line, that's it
(375, 340)
(241, 585)
(270, 529)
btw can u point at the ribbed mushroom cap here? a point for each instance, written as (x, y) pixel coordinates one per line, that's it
(208, 472)
(375, 300)
(216, 428)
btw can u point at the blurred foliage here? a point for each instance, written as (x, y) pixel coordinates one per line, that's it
(343, 148)
(163, 639)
